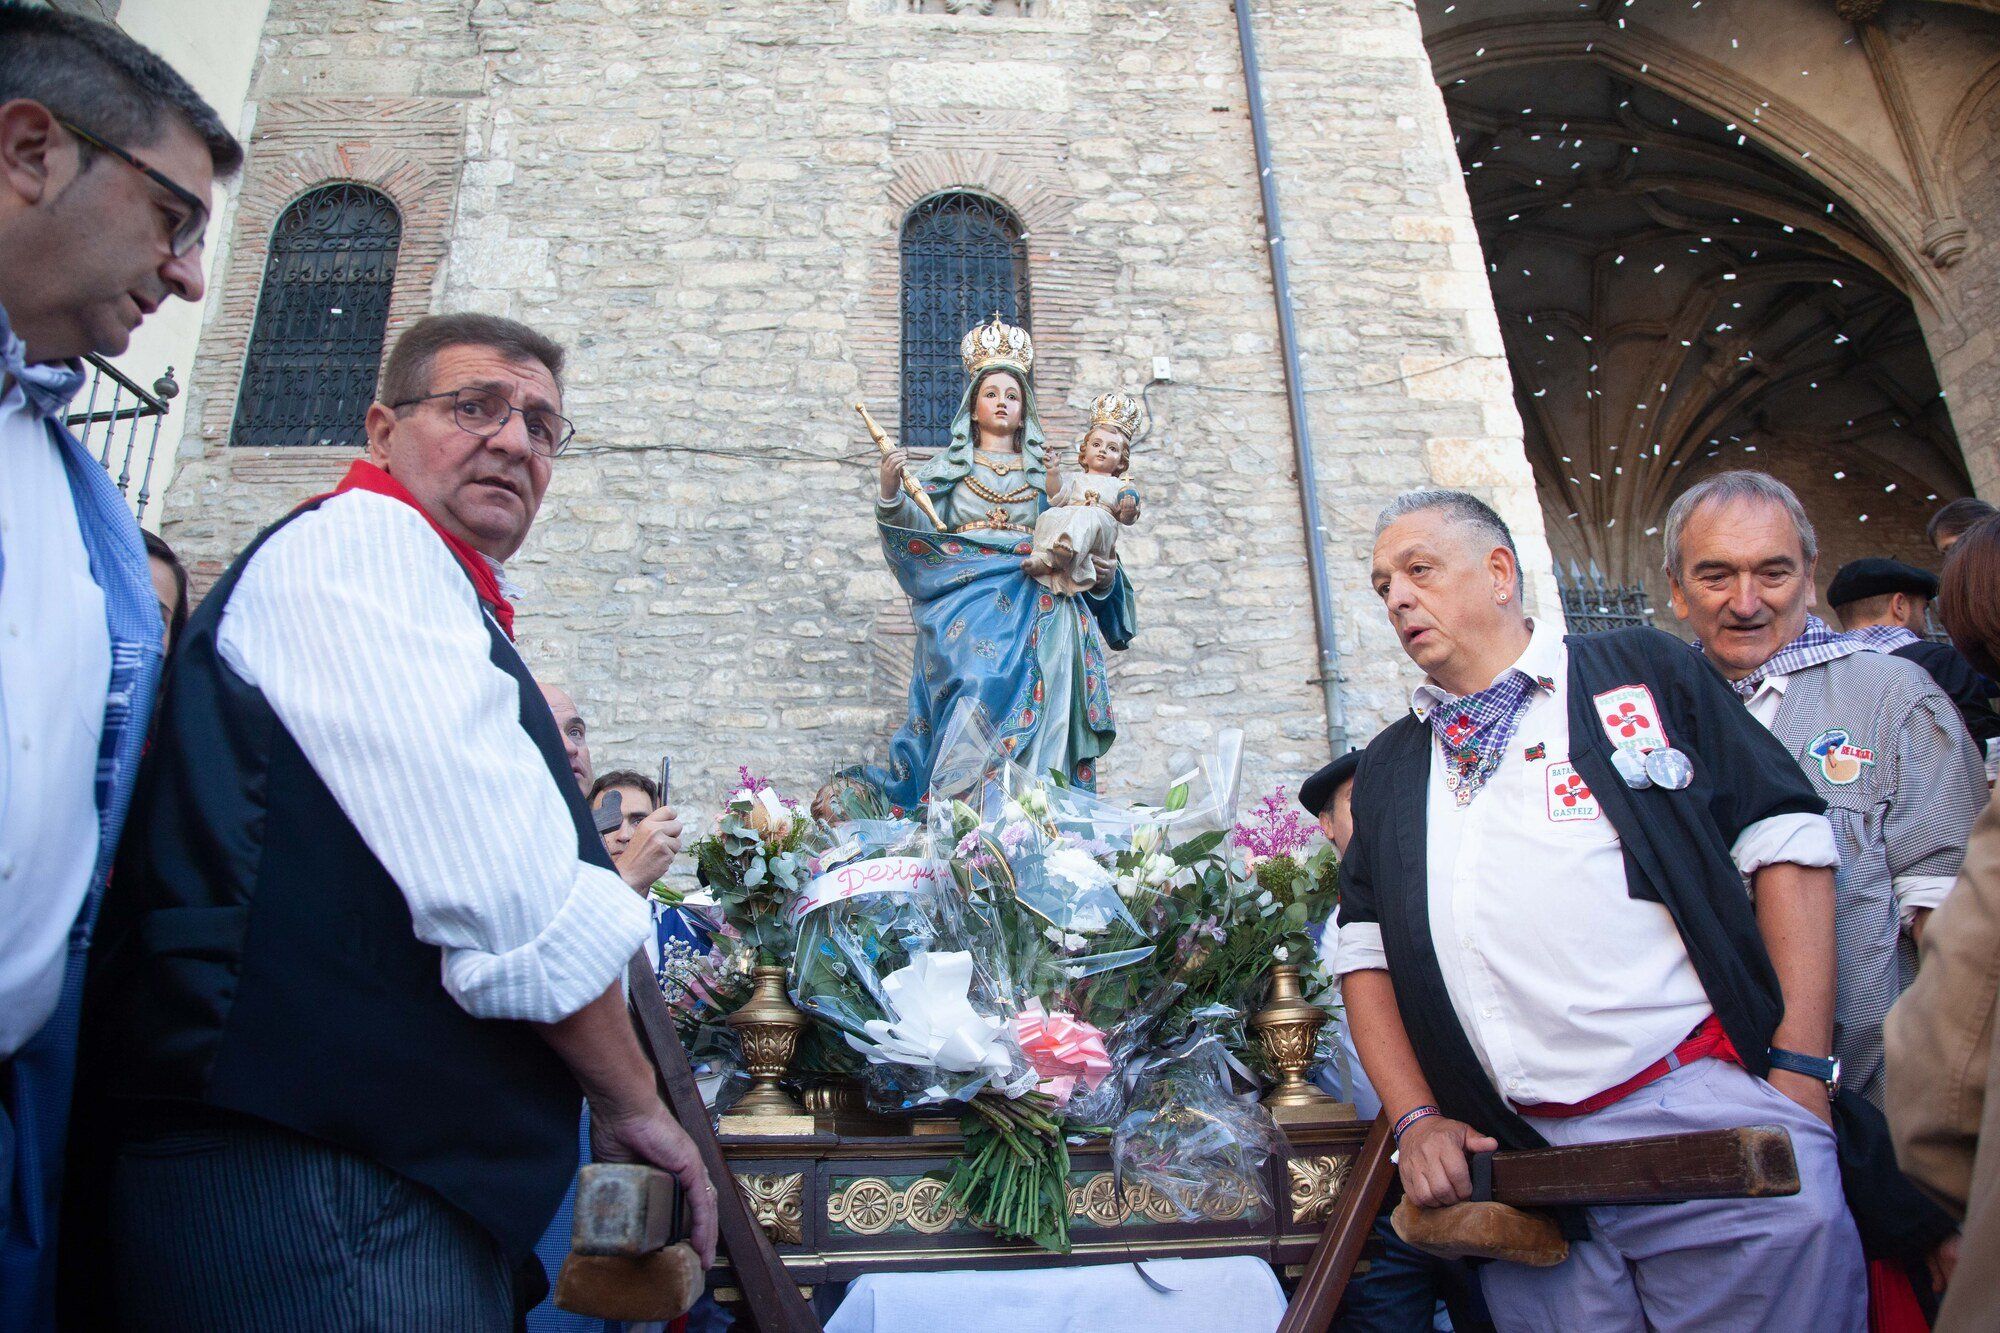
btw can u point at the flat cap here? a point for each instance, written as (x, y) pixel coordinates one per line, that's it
(1878, 577)
(1316, 792)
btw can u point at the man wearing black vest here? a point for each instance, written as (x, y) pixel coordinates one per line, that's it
(363, 950)
(1545, 938)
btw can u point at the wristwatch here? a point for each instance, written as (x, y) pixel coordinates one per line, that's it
(1825, 1068)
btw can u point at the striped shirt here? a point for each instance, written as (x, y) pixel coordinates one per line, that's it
(367, 640)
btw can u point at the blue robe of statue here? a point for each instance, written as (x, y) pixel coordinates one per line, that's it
(1032, 658)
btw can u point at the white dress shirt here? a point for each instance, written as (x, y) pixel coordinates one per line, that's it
(55, 665)
(364, 634)
(1564, 982)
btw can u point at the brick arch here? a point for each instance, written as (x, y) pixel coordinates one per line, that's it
(1068, 274)
(409, 149)
(1033, 199)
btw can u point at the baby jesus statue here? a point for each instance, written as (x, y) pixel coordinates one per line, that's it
(1085, 510)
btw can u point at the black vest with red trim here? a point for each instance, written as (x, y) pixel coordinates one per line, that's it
(254, 955)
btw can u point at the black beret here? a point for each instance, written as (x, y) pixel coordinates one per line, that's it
(1316, 793)
(1878, 577)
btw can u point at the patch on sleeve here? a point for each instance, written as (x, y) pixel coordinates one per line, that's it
(1570, 798)
(1630, 719)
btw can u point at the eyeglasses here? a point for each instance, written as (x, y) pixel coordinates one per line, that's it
(485, 413)
(190, 225)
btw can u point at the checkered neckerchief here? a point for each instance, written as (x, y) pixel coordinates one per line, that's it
(1817, 644)
(1885, 638)
(1474, 731)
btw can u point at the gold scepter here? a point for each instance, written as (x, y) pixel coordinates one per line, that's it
(910, 487)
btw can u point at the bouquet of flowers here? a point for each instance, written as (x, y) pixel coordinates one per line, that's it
(883, 955)
(756, 859)
(1070, 893)
(1260, 897)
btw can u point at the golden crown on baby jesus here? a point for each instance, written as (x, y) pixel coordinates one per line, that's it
(1120, 411)
(997, 346)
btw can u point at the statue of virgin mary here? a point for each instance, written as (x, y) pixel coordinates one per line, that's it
(1033, 659)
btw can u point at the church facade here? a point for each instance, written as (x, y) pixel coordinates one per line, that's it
(742, 218)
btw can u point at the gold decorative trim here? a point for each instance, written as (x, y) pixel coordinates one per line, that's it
(1001, 465)
(778, 1204)
(1019, 495)
(867, 1207)
(872, 1205)
(1316, 1183)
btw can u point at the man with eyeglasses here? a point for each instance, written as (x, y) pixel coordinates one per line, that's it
(363, 953)
(107, 160)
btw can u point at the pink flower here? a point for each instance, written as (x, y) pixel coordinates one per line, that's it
(1274, 828)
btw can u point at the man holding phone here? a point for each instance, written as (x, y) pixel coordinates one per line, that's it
(642, 833)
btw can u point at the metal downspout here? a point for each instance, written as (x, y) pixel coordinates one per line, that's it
(1295, 398)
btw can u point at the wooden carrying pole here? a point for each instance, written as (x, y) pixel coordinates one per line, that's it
(1325, 1281)
(768, 1289)
(910, 486)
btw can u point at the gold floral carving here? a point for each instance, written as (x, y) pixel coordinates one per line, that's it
(778, 1204)
(867, 1206)
(871, 1205)
(927, 1206)
(1096, 1201)
(1316, 1183)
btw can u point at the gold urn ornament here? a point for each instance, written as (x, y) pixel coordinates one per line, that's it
(1287, 1029)
(767, 1027)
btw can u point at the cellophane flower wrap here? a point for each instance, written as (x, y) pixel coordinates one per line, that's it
(886, 955)
(1258, 897)
(1067, 889)
(1189, 1138)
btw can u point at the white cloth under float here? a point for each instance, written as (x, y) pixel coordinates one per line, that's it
(1237, 1295)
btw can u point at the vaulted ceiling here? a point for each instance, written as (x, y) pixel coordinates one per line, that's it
(1674, 300)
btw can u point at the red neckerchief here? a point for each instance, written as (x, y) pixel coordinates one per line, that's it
(365, 476)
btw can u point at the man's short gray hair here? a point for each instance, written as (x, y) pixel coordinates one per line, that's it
(1461, 507)
(1724, 487)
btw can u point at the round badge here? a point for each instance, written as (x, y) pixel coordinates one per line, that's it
(1670, 768)
(1631, 766)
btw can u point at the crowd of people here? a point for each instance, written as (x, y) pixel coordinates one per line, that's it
(312, 948)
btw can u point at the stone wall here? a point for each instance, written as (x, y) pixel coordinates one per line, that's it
(701, 199)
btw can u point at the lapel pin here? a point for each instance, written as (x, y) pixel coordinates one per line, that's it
(1631, 766)
(1669, 768)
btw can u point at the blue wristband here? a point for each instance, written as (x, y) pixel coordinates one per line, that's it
(1411, 1117)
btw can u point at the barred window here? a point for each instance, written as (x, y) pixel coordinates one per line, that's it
(316, 344)
(964, 257)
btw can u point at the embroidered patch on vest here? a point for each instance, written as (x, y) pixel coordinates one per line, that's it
(1630, 719)
(1840, 762)
(1570, 798)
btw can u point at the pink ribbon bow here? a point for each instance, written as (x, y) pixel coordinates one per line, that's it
(1062, 1050)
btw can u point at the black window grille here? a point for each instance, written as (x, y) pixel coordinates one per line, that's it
(317, 341)
(964, 257)
(1591, 603)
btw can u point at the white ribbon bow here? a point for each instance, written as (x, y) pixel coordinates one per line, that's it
(935, 1025)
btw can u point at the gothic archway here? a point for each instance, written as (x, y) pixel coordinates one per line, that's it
(1676, 299)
